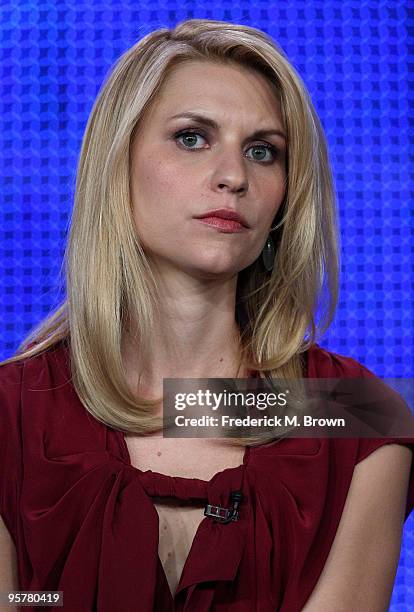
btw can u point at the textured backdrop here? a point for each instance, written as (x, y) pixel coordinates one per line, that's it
(355, 57)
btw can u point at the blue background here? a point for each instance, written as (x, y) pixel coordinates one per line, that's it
(355, 58)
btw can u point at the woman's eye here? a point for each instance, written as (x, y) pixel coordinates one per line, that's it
(189, 139)
(260, 152)
(263, 152)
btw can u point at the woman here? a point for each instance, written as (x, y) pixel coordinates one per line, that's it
(203, 235)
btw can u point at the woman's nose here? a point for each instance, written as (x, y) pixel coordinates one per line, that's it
(230, 172)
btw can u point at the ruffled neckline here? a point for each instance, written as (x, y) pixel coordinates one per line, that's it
(210, 535)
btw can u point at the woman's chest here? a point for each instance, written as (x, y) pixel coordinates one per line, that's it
(178, 520)
(178, 525)
(185, 457)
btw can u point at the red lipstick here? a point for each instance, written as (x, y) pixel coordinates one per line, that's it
(224, 219)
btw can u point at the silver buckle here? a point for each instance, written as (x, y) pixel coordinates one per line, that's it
(219, 513)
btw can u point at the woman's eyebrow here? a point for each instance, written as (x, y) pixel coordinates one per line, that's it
(212, 124)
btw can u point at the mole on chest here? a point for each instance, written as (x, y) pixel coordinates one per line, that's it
(185, 457)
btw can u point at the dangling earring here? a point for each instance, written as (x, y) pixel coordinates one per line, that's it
(268, 254)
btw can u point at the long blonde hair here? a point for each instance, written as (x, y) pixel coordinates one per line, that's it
(108, 277)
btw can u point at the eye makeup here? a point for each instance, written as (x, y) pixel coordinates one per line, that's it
(197, 131)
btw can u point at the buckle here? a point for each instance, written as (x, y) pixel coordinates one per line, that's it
(222, 514)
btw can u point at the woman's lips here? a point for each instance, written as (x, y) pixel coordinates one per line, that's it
(224, 225)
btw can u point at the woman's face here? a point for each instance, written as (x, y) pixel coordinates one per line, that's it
(199, 149)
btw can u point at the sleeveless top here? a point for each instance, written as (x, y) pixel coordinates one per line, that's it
(83, 521)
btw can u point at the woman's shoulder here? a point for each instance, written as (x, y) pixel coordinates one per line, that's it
(22, 424)
(11, 375)
(38, 372)
(324, 363)
(37, 395)
(383, 400)
(45, 431)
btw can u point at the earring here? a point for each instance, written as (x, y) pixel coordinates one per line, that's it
(268, 254)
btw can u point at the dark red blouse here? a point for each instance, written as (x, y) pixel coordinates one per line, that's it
(84, 523)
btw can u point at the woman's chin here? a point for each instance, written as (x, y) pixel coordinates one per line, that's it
(214, 272)
(213, 268)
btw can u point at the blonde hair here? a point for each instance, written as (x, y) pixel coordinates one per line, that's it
(108, 277)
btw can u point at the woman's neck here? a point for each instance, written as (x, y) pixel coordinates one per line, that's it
(196, 336)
